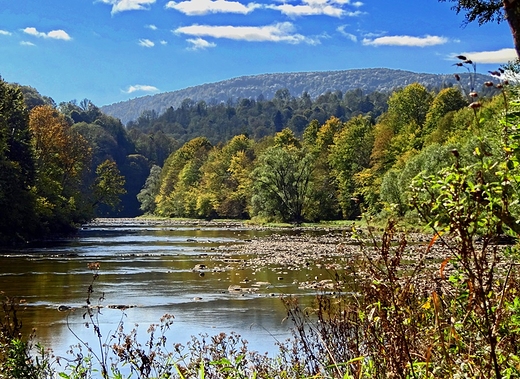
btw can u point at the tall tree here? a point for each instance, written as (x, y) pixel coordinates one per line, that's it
(324, 185)
(180, 177)
(220, 187)
(396, 135)
(110, 184)
(484, 11)
(62, 158)
(150, 190)
(17, 216)
(281, 184)
(349, 155)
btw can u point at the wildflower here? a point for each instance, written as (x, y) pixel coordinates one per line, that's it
(475, 105)
(457, 77)
(473, 94)
(461, 57)
(489, 84)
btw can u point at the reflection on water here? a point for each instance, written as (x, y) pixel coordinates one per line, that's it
(150, 268)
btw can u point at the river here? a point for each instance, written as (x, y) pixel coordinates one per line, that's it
(153, 269)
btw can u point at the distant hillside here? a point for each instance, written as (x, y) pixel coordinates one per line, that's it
(314, 83)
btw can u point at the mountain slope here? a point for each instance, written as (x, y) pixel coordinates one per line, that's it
(314, 83)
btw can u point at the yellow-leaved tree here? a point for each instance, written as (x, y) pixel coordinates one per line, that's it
(61, 160)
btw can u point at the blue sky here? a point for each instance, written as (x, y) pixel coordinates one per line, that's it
(113, 50)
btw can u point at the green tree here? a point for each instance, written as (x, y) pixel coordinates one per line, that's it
(17, 218)
(109, 185)
(150, 190)
(286, 138)
(220, 186)
(180, 178)
(349, 155)
(318, 140)
(438, 117)
(32, 98)
(396, 183)
(397, 135)
(281, 184)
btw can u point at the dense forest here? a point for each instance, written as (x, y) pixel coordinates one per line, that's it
(333, 170)
(290, 159)
(265, 86)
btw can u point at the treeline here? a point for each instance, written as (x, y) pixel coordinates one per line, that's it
(219, 122)
(49, 181)
(331, 169)
(63, 164)
(290, 159)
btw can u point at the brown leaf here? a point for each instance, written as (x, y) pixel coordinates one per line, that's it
(443, 266)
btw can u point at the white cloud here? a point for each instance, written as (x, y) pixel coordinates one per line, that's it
(58, 34)
(163, 42)
(146, 43)
(350, 36)
(497, 56)
(151, 26)
(200, 44)
(203, 7)
(141, 88)
(4, 32)
(406, 41)
(356, 4)
(332, 8)
(128, 5)
(54, 34)
(27, 43)
(281, 32)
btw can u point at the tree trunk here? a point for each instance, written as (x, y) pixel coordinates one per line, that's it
(512, 12)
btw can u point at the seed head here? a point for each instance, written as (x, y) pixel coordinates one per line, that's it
(500, 86)
(473, 94)
(457, 77)
(461, 57)
(489, 84)
(475, 105)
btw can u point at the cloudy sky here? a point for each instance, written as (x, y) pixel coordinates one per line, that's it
(113, 50)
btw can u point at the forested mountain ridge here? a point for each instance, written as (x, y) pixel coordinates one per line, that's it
(266, 85)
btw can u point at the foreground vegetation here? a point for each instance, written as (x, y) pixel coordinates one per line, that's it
(393, 312)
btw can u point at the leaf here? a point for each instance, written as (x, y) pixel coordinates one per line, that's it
(443, 266)
(437, 235)
(436, 302)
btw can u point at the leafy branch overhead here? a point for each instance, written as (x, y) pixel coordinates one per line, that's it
(484, 11)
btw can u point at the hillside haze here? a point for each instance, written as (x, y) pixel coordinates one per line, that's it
(266, 85)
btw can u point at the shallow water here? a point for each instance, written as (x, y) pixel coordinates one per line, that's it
(151, 269)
